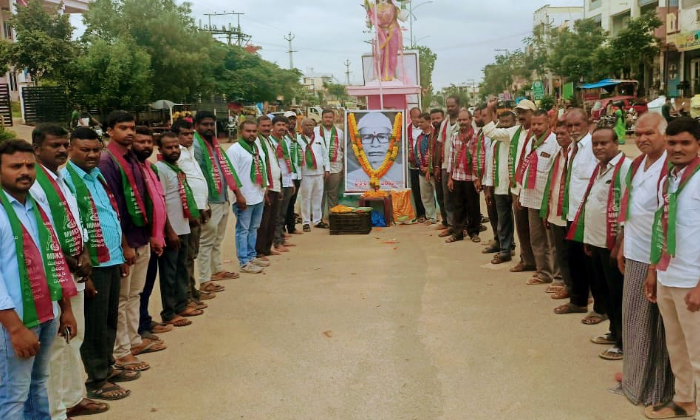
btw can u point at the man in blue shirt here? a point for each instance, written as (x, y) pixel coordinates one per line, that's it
(105, 247)
(27, 332)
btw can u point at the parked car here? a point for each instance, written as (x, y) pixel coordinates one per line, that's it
(639, 105)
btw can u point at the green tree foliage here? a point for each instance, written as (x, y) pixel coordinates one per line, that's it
(180, 54)
(336, 90)
(43, 45)
(114, 74)
(246, 76)
(576, 54)
(635, 45)
(499, 76)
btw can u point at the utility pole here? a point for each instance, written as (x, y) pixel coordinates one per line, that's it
(347, 72)
(229, 32)
(291, 51)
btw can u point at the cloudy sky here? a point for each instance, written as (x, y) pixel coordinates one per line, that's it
(463, 33)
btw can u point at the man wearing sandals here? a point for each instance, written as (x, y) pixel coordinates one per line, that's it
(182, 210)
(582, 163)
(647, 377)
(536, 159)
(65, 385)
(424, 152)
(131, 187)
(211, 159)
(460, 182)
(102, 287)
(414, 132)
(673, 276)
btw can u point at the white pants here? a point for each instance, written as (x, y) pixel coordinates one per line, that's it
(311, 192)
(209, 259)
(427, 196)
(65, 385)
(130, 304)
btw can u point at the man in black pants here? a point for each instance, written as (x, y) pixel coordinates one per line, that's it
(461, 181)
(436, 117)
(413, 133)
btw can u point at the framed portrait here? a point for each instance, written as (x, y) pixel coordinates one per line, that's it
(375, 150)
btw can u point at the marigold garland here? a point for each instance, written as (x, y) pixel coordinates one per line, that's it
(392, 153)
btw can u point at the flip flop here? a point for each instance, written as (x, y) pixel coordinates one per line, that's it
(119, 375)
(133, 366)
(593, 318)
(562, 294)
(444, 233)
(179, 321)
(212, 288)
(191, 312)
(570, 308)
(98, 394)
(554, 288)
(149, 347)
(536, 281)
(82, 408)
(225, 275)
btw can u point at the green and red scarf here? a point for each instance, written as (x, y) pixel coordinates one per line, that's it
(43, 274)
(479, 164)
(513, 154)
(67, 229)
(264, 142)
(527, 170)
(570, 170)
(464, 157)
(189, 206)
(97, 248)
(213, 156)
(496, 165)
(309, 155)
(283, 153)
(576, 231)
(334, 143)
(663, 239)
(135, 203)
(258, 174)
(636, 164)
(549, 188)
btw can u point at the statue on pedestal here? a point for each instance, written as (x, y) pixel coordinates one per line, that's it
(387, 46)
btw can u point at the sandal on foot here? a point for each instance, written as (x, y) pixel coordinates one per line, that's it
(179, 321)
(212, 288)
(197, 305)
(191, 312)
(444, 233)
(225, 275)
(593, 318)
(87, 407)
(606, 338)
(500, 259)
(554, 288)
(120, 375)
(562, 294)
(137, 365)
(520, 267)
(160, 328)
(669, 410)
(452, 239)
(570, 308)
(536, 281)
(108, 391)
(149, 346)
(613, 353)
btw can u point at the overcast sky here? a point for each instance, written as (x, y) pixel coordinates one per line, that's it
(463, 33)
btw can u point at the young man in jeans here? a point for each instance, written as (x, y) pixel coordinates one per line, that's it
(249, 163)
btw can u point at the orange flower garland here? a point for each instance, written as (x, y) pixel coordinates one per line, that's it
(394, 144)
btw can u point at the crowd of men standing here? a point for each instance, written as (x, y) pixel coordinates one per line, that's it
(594, 226)
(86, 228)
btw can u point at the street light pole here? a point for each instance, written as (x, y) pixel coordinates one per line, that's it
(412, 17)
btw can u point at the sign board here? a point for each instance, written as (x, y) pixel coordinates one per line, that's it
(538, 90)
(687, 41)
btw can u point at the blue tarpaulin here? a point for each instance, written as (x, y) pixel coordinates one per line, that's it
(603, 83)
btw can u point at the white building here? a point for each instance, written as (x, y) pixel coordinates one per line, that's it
(555, 17)
(17, 78)
(315, 82)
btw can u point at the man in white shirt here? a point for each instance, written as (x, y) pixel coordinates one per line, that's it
(675, 270)
(448, 128)
(485, 177)
(334, 141)
(172, 264)
(552, 213)
(273, 199)
(582, 163)
(413, 132)
(531, 175)
(65, 385)
(597, 218)
(279, 153)
(294, 148)
(315, 168)
(185, 134)
(249, 164)
(646, 371)
(513, 140)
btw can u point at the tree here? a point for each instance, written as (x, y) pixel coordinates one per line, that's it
(43, 46)
(636, 45)
(579, 54)
(336, 90)
(114, 74)
(537, 54)
(180, 54)
(499, 76)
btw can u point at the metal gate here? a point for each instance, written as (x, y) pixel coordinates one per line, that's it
(45, 104)
(5, 108)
